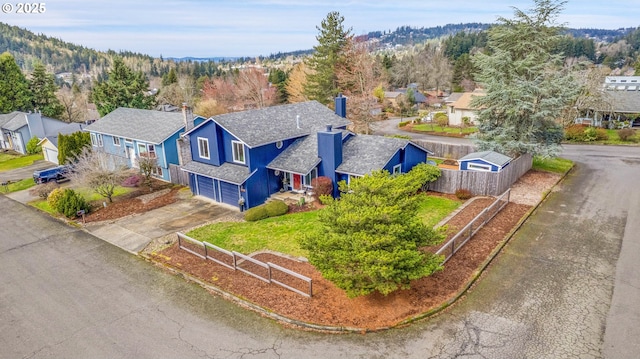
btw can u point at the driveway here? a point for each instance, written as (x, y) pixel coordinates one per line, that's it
(25, 172)
(133, 233)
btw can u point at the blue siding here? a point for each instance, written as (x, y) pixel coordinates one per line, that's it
(171, 149)
(227, 150)
(413, 156)
(209, 131)
(464, 165)
(395, 160)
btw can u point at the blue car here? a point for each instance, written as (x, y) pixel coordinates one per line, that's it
(51, 174)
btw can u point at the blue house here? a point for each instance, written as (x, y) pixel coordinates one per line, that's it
(245, 157)
(128, 133)
(487, 161)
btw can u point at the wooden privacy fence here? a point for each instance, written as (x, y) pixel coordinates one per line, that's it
(482, 183)
(446, 150)
(462, 237)
(178, 176)
(266, 272)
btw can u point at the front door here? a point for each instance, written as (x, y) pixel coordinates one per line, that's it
(296, 182)
(132, 156)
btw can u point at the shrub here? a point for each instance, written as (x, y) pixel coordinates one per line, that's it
(601, 134)
(133, 181)
(71, 202)
(574, 133)
(441, 119)
(43, 190)
(403, 123)
(463, 194)
(626, 134)
(256, 214)
(276, 208)
(590, 134)
(322, 186)
(54, 197)
(32, 146)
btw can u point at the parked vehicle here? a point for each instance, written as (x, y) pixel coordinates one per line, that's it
(51, 174)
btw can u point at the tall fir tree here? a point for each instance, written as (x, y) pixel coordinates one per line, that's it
(123, 88)
(43, 88)
(527, 86)
(14, 87)
(322, 82)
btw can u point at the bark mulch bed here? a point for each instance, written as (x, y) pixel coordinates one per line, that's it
(330, 306)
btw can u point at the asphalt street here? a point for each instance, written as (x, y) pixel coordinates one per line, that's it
(566, 286)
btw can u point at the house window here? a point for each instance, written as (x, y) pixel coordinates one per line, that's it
(116, 141)
(203, 148)
(128, 141)
(310, 176)
(478, 167)
(157, 171)
(397, 169)
(142, 149)
(238, 152)
(279, 144)
(96, 139)
(152, 150)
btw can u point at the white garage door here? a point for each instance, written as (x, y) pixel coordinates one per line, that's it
(51, 155)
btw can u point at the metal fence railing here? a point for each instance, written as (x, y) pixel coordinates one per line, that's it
(465, 234)
(266, 272)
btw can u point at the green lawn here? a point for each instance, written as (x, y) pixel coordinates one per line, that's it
(555, 165)
(92, 196)
(42, 205)
(10, 162)
(282, 233)
(19, 186)
(425, 127)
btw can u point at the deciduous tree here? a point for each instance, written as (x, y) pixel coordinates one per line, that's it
(371, 238)
(99, 171)
(296, 83)
(527, 88)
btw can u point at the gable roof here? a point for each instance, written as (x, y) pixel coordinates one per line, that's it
(277, 123)
(464, 101)
(492, 157)
(623, 101)
(363, 154)
(8, 117)
(14, 121)
(143, 125)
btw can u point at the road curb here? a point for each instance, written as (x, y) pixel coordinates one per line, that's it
(336, 329)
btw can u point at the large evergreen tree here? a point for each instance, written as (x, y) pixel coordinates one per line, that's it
(371, 237)
(322, 83)
(123, 88)
(14, 87)
(527, 87)
(43, 88)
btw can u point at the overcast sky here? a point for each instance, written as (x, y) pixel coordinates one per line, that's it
(201, 28)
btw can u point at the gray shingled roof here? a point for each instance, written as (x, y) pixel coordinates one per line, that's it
(492, 157)
(363, 154)
(15, 122)
(271, 124)
(144, 125)
(7, 117)
(300, 157)
(624, 101)
(227, 172)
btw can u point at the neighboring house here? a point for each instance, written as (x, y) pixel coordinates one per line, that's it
(245, 157)
(459, 106)
(486, 161)
(394, 96)
(49, 143)
(19, 127)
(621, 102)
(128, 133)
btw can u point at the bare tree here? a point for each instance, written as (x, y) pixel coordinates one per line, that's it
(74, 104)
(591, 97)
(99, 171)
(147, 165)
(252, 89)
(358, 76)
